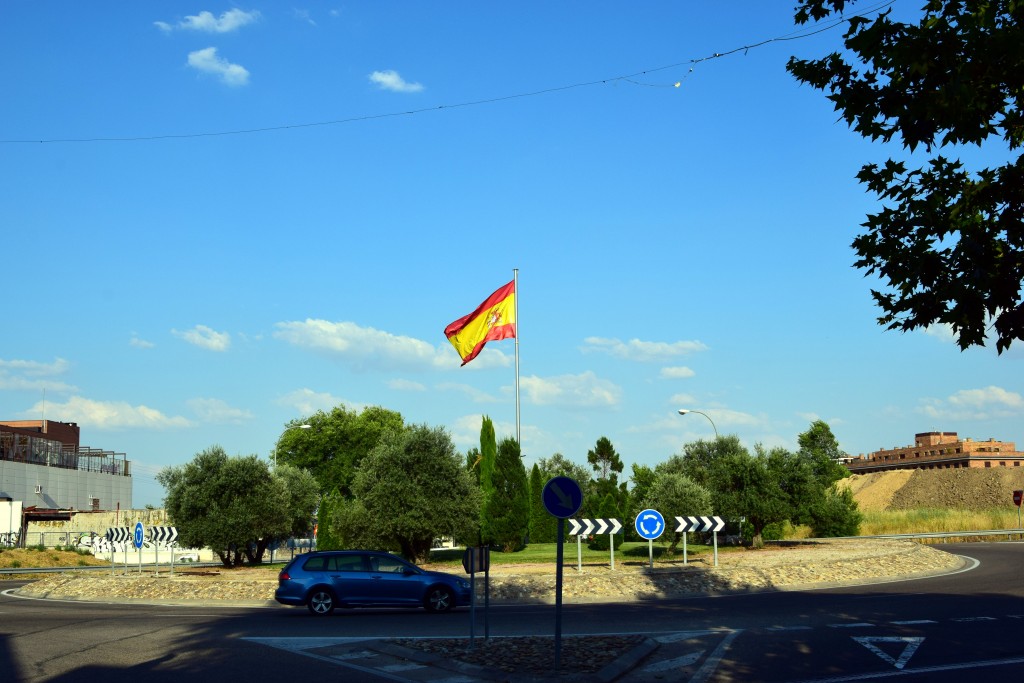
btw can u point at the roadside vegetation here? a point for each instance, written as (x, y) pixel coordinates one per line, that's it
(40, 557)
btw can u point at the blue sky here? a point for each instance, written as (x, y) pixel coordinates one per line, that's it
(221, 218)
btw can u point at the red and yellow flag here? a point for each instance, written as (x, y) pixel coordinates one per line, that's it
(494, 319)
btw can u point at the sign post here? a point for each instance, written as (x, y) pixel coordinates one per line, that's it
(585, 527)
(562, 498)
(475, 559)
(1017, 497)
(650, 525)
(138, 538)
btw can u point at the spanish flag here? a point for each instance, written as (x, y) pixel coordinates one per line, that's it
(494, 319)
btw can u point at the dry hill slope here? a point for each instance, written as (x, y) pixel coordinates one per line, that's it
(965, 489)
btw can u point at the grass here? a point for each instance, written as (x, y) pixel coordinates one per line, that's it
(926, 520)
(39, 557)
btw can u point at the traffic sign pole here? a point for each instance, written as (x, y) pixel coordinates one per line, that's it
(558, 594)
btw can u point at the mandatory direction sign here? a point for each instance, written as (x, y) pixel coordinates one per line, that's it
(139, 535)
(562, 497)
(649, 524)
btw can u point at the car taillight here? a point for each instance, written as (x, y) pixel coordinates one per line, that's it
(283, 576)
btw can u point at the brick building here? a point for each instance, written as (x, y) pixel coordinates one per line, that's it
(939, 450)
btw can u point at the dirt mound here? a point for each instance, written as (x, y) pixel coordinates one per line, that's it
(964, 489)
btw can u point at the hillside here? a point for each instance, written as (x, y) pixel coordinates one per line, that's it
(966, 489)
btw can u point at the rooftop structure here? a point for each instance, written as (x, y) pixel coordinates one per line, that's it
(43, 465)
(939, 450)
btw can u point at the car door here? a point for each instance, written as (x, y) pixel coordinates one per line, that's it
(393, 581)
(350, 578)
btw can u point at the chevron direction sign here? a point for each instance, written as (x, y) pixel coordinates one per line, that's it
(585, 527)
(164, 535)
(685, 524)
(119, 534)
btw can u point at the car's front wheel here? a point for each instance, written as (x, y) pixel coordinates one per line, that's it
(439, 599)
(321, 602)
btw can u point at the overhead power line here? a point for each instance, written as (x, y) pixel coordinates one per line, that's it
(627, 78)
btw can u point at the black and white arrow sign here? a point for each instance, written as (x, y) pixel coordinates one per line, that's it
(586, 527)
(164, 535)
(118, 534)
(685, 524)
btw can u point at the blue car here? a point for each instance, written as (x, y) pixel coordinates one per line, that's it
(323, 580)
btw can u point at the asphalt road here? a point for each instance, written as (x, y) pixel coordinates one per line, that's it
(937, 629)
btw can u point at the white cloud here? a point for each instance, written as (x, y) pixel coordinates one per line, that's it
(30, 367)
(307, 402)
(975, 404)
(304, 15)
(207, 61)
(679, 372)
(681, 400)
(366, 346)
(466, 431)
(140, 343)
(391, 80)
(585, 390)
(638, 350)
(206, 22)
(207, 338)
(217, 411)
(472, 392)
(107, 414)
(30, 375)
(405, 385)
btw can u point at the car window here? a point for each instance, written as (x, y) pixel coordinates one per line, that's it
(317, 563)
(387, 564)
(346, 563)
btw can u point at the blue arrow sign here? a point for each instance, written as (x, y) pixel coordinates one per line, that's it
(139, 536)
(649, 524)
(562, 497)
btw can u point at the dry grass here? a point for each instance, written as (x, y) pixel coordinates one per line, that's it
(936, 521)
(32, 558)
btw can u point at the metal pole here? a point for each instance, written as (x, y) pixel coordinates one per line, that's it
(611, 540)
(579, 553)
(558, 595)
(515, 287)
(684, 547)
(716, 548)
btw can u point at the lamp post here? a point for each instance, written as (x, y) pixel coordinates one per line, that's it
(278, 444)
(684, 411)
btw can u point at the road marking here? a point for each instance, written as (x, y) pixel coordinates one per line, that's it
(913, 622)
(860, 624)
(908, 651)
(686, 635)
(938, 668)
(964, 620)
(790, 628)
(712, 662)
(672, 664)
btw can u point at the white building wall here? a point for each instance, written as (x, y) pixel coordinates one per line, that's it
(58, 488)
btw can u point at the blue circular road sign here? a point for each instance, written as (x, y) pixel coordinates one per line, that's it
(139, 535)
(562, 497)
(649, 524)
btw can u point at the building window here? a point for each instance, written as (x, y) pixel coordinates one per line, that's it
(988, 464)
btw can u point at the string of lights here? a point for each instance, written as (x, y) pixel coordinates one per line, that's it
(632, 79)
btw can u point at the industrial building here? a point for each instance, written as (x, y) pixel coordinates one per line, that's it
(45, 474)
(939, 450)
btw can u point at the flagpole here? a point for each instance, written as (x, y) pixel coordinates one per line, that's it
(515, 280)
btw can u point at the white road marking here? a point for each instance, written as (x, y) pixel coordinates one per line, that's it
(673, 664)
(685, 635)
(712, 662)
(913, 622)
(908, 651)
(859, 624)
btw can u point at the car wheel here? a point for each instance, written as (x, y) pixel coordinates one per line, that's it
(321, 602)
(439, 599)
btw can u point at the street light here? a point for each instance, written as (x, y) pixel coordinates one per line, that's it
(278, 444)
(684, 411)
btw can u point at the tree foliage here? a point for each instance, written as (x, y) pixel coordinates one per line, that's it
(949, 240)
(506, 511)
(235, 505)
(674, 494)
(543, 525)
(335, 443)
(410, 489)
